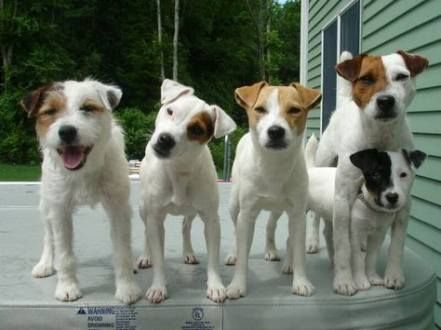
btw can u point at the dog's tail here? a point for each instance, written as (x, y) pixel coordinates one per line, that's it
(344, 87)
(310, 151)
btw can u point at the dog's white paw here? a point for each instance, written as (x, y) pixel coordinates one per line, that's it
(216, 293)
(128, 292)
(156, 294)
(287, 267)
(230, 260)
(344, 285)
(302, 287)
(67, 291)
(43, 270)
(375, 279)
(236, 290)
(190, 259)
(272, 255)
(394, 279)
(312, 246)
(362, 282)
(143, 262)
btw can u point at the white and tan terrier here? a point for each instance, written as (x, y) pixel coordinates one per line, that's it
(178, 177)
(269, 173)
(83, 164)
(375, 92)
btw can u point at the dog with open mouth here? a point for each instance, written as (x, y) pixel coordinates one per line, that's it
(83, 164)
(178, 177)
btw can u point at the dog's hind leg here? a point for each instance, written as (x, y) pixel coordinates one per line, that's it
(120, 213)
(45, 267)
(215, 288)
(312, 234)
(187, 248)
(328, 235)
(144, 261)
(270, 245)
(231, 258)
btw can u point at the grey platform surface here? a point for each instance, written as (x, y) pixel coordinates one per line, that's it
(28, 303)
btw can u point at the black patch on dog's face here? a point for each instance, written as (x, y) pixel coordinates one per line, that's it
(376, 168)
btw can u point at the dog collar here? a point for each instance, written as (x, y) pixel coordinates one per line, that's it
(364, 201)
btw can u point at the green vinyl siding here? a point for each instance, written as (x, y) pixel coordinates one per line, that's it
(414, 26)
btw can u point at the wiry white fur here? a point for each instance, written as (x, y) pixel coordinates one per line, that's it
(102, 179)
(352, 129)
(267, 179)
(182, 184)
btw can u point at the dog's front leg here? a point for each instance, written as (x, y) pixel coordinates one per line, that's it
(373, 247)
(215, 288)
(244, 238)
(157, 292)
(394, 277)
(347, 183)
(120, 229)
(270, 245)
(358, 260)
(297, 233)
(45, 267)
(67, 284)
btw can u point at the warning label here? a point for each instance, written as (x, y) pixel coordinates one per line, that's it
(109, 317)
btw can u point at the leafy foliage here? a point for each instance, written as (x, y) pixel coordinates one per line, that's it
(115, 41)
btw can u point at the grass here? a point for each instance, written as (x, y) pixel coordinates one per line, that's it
(10, 172)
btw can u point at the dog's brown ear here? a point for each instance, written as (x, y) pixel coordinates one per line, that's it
(415, 63)
(310, 97)
(350, 69)
(33, 100)
(246, 96)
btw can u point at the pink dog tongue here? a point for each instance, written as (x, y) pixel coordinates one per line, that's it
(72, 157)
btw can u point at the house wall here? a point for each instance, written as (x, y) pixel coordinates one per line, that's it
(414, 26)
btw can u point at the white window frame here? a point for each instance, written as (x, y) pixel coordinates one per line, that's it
(324, 27)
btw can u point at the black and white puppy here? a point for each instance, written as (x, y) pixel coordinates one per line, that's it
(388, 179)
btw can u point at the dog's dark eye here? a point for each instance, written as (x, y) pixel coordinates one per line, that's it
(50, 112)
(367, 80)
(294, 110)
(196, 130)
(375, 176)
(87, 108)
(260, 109)
(169, 111)
(401, 76)
(403, 175)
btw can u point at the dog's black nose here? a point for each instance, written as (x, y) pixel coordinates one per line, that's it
(276, 132)
(67, 133)
(165, 141)
(385, 102)
(392, 198)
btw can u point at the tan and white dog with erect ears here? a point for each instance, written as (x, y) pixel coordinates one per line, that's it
(269, 173)
(380, 89)
(178, 177)
(83, 164)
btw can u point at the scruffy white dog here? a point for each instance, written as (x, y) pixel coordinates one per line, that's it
(269, 173)
(178, 177)
(83, 164)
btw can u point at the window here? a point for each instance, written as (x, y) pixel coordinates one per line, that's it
(342, 33)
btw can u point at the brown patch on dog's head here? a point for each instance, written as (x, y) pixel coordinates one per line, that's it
(415, 63)
(367, 75)
(46, 104)
(295, 102)
(200, 128)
